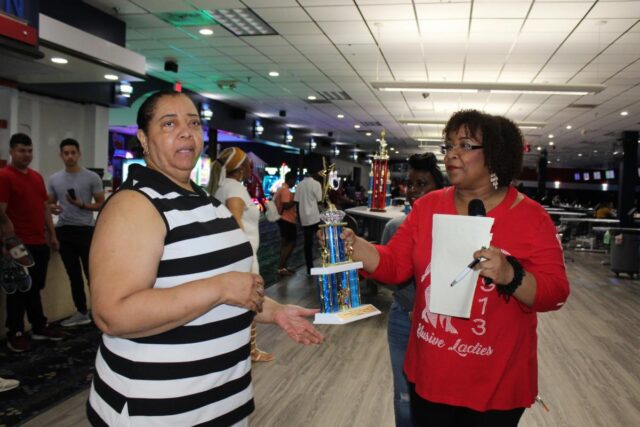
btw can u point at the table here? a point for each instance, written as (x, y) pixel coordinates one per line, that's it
(591, 222)
(567, 214)
(374, 222)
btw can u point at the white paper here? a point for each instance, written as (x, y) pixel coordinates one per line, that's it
(455, 239)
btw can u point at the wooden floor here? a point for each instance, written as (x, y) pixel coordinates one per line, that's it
(589, 355)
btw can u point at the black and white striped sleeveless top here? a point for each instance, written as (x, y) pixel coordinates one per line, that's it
(196, 374)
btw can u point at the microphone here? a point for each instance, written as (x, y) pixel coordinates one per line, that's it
(475, 208)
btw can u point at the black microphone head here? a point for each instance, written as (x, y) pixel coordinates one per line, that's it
(476, 208)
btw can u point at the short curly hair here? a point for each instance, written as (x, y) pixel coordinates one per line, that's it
(502, 141)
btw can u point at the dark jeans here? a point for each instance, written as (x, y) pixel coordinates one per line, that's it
(398, 335)
(309, 237)
(30, 302)
(427, 413)
(75, 241)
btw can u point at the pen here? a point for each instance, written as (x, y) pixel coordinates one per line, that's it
(467, 270)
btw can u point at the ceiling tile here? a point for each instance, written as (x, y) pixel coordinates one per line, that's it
(388, 12)
(560, 10)
(295, 28)
(446, 11)
(337, 13)
(282, 14)
(504, 9)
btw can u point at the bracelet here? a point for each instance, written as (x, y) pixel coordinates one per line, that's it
(518, 275)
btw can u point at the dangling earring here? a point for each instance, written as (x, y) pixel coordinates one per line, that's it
(494, 180)
(145, 152)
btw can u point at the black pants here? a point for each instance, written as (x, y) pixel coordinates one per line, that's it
(425, 413)
(309, 237)
(75, 241)
(30, 302)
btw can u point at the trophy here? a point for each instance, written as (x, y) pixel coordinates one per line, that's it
(337, 279)
(379, 179)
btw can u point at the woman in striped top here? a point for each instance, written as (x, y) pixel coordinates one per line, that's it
(172, 290)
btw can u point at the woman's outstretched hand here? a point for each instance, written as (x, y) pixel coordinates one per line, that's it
(291, 318)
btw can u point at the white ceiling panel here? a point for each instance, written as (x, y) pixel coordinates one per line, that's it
(388, 12)
(616, 9)
(337, 13)
(443, 26)
(347, 32)
(282, 14)
(507, 9)
(511, 41)
(444, 11)
(558, 10)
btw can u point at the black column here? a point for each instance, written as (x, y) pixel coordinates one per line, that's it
(212, 151)
(628, 177)
(542, 174)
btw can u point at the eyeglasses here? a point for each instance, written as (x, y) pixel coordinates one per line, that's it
(447, 147)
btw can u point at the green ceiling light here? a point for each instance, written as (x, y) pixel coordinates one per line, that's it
(190, 18)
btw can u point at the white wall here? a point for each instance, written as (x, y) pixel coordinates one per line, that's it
(48, 121)
(345, 167)
(8, 112)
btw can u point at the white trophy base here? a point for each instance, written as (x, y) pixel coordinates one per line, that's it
(346, 316)
(336, 268)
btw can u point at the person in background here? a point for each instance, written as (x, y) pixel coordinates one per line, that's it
(482, 370)
(24, 212)
(605, 211)
(74, 194)
(287, 223)
(308, 195)
(226, 184)
(423, 176)
(172, 289)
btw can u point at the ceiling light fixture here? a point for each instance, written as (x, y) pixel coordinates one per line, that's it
(416, 122)
(568, 127)
(368, 133)
(312, 97)
(551, 143)
(242, 22)
(340, 116)
(550, 135)
(624, 113)
(206, 31)
(356, 126)
(274, 73)
(111, 77)
(59, 60)
(474, 87)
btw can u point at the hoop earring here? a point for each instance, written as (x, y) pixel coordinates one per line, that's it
(494, 180)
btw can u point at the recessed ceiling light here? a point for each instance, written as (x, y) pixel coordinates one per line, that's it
(551, 143)
(595, 151)
(356, 126)
(579, 154)
(111, 77)
(59, 60)
(624, 113)
(312, 97)
(341, 116)
(274, 73)
(539, 148)
(206, 31)
(368, 133)
(550, 135)
(568, 127)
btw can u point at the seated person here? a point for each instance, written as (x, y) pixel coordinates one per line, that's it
(605, 211)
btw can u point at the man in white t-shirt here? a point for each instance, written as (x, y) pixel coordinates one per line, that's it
(308, 195)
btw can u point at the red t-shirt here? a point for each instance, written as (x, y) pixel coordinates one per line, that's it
(488, 361)
(25, 196)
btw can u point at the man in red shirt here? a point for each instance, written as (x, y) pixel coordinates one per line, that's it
(24, 212)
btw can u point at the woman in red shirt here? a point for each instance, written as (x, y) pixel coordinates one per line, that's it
(481, 370)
